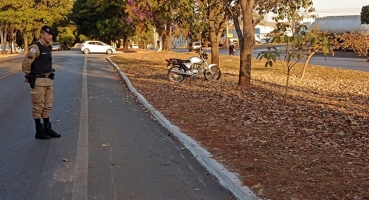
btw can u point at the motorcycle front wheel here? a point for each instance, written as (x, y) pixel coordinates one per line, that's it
(173, 74)
(212, 74)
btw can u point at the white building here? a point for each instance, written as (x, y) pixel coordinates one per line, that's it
(262, 32)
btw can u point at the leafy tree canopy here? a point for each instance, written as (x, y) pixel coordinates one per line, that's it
(85, 16)
(365, 14)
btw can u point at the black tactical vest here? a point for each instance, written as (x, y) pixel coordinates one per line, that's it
(42, 63)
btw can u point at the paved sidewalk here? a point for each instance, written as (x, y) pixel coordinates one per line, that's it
(226, 178)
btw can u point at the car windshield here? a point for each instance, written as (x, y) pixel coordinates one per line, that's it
(56, 43)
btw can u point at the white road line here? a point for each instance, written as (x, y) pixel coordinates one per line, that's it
(80, 177)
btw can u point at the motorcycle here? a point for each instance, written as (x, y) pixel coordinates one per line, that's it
(192, 67)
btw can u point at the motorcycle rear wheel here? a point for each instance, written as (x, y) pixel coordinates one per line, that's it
(213, 74)
(174, 76)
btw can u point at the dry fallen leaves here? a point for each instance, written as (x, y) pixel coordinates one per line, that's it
(316, 146)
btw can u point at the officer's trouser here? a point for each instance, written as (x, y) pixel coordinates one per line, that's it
(42, 99)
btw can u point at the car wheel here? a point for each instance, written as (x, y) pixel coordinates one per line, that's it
(109, 51)
(86, 51)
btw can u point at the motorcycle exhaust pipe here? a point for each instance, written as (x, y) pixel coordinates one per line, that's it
(179, 72)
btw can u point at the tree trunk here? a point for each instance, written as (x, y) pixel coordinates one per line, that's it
(3, 42)
(5, 33)
(25, 39)
(12, 41)
(214, 44)
(245, 70)
(125, 42)
(174, 42)
(215, 52)
(287, 84)
(214, 39)
(306, 64)
(247, 45)
(166, 39)
(216, 27)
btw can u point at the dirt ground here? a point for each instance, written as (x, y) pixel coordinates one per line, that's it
(314, 146)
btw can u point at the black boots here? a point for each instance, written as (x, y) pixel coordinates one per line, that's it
(50, 132)
(40, 132)
(45, 131)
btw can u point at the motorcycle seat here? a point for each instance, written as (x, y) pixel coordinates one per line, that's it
(177, 60)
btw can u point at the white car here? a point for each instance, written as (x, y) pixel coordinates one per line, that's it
(96, 47)
(194, 46)
(56, 46)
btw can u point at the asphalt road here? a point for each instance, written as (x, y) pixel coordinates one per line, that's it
(342, 59)
(110, 148)
(345, 60)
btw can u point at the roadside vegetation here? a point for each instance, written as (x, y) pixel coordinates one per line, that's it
(314, 146)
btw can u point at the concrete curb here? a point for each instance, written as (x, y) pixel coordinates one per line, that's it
(226, 178)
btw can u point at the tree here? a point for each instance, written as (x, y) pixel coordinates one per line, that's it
(66, 37)
(302, 43)
(365, 14)
(154, 12)
(7, 12)
(307, 43)
(357, 42)
(283, 9)
(85, 16)
(11, 15)
(49, 12)
(163, 15)
(27, 17)
(313, 42)
(216, 16)
(196, 25)
(176, 33)
(103, 20)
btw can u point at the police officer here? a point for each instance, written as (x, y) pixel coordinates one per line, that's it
(37, 64)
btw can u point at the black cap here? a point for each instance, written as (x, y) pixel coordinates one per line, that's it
(48, 29)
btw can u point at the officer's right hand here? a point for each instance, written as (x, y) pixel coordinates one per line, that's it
(26, 78)
(52, 76)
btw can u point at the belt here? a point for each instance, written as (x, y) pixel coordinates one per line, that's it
(41, 76)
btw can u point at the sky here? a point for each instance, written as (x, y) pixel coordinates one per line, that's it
(338, 7)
